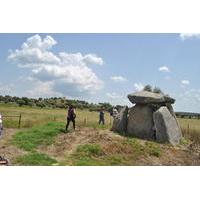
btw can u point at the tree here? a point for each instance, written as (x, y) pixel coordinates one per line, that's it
(148, 88)
(106, 106)
(21, 102)
(157, 90)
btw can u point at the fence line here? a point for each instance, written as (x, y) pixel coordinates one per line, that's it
(18, 116)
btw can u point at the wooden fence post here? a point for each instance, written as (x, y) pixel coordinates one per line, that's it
(188, 129)
(20, 117)
(84, 121)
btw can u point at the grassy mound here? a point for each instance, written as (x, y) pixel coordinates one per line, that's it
(116, 153)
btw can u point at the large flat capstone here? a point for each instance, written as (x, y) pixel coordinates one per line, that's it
(145, 97)
(167, 127)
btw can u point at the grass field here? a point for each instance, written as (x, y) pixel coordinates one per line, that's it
(191, 129)
(40, 116)
(43, 141)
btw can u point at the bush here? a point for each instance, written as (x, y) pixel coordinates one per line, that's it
(148, 88)
(157, 90)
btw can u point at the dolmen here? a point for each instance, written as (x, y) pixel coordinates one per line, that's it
(152, 117)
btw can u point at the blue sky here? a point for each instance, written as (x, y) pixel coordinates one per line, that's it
(101, 67)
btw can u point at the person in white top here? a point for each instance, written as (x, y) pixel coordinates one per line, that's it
(115, 112)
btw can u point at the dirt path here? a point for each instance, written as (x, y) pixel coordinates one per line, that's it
(6, 148)
(66, 143)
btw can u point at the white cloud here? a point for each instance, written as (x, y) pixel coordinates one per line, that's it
(118, 99)
(185, 82)
(138, 87)
(69, 73)
(6, 89)
(164, 69)
(42, 89)
(34, 52)
(185, 36)
(93, 59)
(113, 95)
(118, 78)
(188, 100)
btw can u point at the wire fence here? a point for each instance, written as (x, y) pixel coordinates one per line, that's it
(14, 116)
(17, 121)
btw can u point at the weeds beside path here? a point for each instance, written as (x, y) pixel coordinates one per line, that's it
(7, 149)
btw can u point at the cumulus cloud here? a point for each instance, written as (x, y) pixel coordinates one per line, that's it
(185, 82)
(164, 69)
(70, 72)
(185, 36)
(93, 59)
(118, 78)
(138, 87)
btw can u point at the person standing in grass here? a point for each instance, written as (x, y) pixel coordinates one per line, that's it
(101, 117)
(1, 125)
(71, 116)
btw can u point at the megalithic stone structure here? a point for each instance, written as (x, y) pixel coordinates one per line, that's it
(152, 117)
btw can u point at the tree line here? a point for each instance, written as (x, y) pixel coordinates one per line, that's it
(54, 102)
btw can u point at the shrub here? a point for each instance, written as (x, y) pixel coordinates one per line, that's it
(148, 88)
(157, 90)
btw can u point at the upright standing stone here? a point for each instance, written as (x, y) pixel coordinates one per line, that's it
(120, 121)
(140, 122)
(166, 125)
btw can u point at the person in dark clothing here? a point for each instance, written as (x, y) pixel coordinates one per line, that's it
(71, 115)
(101, 117)
(1, 125)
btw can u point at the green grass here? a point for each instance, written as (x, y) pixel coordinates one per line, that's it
(40, 116)
(153, 149)
(90, 150)
(30, 139)
(95, 155)
(45, 124)
(136, 146)
(95, 125)
(116, 160)
(87, 155)
(35, 159)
